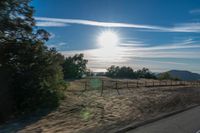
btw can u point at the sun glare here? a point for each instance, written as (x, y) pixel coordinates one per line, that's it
(108, 39)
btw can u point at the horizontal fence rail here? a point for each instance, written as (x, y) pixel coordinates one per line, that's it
(117, 84)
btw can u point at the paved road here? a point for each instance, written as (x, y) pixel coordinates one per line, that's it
(185, 122)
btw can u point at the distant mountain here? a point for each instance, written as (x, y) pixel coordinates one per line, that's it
(184, 75)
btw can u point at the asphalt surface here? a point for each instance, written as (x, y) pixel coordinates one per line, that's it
(185, 122)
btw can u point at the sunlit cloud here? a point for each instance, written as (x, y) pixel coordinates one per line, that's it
(139, 56)
(95, 23)
(170, 47)
(50, 24)
(185, 27)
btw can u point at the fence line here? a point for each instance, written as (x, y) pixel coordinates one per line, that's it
(137, 84)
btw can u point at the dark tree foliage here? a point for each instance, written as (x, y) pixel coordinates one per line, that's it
(167, 76)
(120, 72)
(101, 74)
(89, 73)
(30, 73)
(75, 66)
(145, 73)
(128, 72)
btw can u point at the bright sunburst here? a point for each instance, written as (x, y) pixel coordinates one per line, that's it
(108, 39)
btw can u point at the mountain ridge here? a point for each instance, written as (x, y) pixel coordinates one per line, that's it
(184, 75)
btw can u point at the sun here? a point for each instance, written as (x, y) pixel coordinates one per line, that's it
(108, 39)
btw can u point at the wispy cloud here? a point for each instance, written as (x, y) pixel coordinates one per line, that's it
(194, 11)
(98, 61)
(96, 23)
(62, 44)
(139, 56)
(50, 24)
(52, 35)
(185, 27)
(169, 47)
(58, 46)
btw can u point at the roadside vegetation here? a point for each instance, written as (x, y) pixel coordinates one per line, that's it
(31, 74)
(84, 111)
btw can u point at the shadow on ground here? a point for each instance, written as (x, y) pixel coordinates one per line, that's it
(15, 125)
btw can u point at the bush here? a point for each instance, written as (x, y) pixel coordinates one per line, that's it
(75, 66)
(30, 73)
(35, 75)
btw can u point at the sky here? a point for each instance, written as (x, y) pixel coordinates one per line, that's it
(158, 34)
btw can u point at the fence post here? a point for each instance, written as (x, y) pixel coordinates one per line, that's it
(127, 84)
(117, 88)
(85, 85)
(153, 83)
(137, 83)
(102, 83)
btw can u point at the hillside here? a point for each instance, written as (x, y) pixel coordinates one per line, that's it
(184, 75)
(84, 111)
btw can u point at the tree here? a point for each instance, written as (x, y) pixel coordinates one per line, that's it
(128, 72)
(125, 72)
(145, 73)
(167, 76)
(30, 72)
(89, 72)
(113, 71)
(120, 72)
(75, 66)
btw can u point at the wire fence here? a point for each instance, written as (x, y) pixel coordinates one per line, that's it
(103, 84)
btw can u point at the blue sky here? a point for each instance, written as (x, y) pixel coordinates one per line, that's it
(158, 34)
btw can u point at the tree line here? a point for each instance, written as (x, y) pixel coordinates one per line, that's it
(128, 72)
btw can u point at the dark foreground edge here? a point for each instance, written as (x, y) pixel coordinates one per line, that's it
(142, 123)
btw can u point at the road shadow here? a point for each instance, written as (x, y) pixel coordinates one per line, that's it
(17, 124)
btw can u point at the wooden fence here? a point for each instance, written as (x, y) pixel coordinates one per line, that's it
(137, 84)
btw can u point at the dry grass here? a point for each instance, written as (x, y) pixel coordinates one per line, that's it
(89, 112)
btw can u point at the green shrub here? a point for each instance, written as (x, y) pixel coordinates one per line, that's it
(30, 71)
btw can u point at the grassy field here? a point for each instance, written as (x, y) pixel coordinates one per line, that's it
(85, 110)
